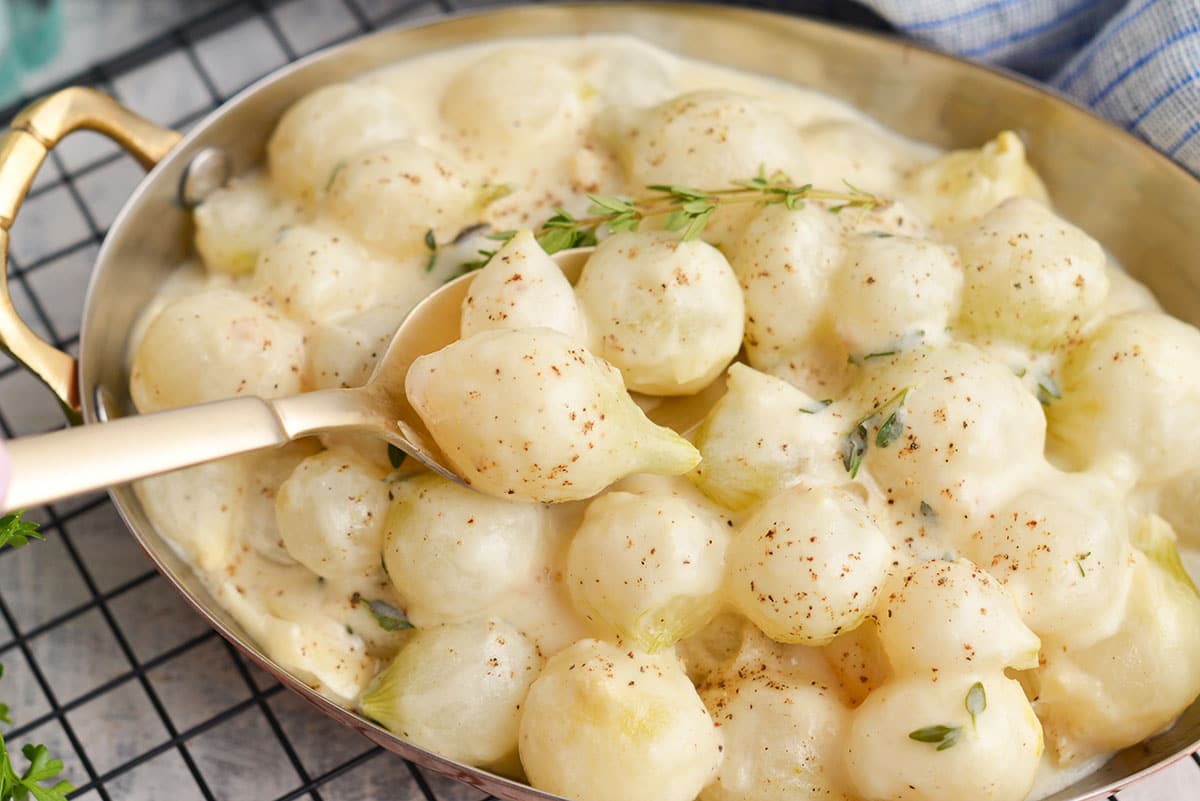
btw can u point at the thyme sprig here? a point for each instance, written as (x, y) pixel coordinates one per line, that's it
(945, 737)
(689, 209)
(682, 208)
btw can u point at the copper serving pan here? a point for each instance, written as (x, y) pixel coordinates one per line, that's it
(1140, 205)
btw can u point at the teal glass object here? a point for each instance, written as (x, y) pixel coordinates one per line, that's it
(10, 66)
(36, 28)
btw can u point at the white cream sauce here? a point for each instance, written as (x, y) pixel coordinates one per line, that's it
(220, 517)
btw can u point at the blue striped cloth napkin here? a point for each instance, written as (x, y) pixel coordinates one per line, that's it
(1136, 62)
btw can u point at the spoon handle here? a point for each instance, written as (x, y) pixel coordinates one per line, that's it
(48, 467)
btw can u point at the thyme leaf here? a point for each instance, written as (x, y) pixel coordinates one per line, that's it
(890, 429)
(976, 701)
(1048, 390)
(387, 616)
(858, 361)
(431, 245)
(943, 736)
(603, 204)
(853, 449)
(816, 407)
(490, 193)
(333, 174)
(854, 446)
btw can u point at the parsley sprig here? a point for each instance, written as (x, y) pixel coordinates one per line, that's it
(17, 532)
(683, 208)
(41, 768)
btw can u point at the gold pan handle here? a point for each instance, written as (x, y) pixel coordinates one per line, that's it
(38, 128)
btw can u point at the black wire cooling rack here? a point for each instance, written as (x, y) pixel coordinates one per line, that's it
(104, 662)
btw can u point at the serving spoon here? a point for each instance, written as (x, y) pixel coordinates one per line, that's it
(49, 467)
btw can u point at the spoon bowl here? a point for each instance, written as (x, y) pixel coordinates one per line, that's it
(430, 326)
(49, 467)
